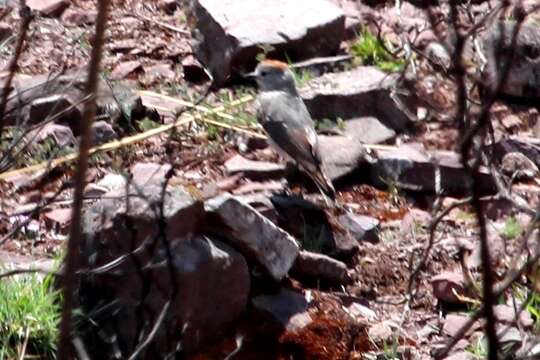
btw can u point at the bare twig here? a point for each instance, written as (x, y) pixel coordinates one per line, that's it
(71, 262)
(26, 17)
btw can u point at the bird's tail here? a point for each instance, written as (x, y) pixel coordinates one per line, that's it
(323, 182)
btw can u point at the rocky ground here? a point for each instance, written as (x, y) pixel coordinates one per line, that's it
(295, 278)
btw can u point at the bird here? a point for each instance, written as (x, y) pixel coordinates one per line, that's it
(287, 122)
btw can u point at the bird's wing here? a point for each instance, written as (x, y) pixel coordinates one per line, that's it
(294, 140)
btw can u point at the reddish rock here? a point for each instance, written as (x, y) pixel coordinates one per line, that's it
(125, 69)
(79, 17)
(446, 285)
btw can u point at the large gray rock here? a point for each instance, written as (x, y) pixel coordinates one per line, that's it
(347, 160)
(141, 253)
(523, 79)
(232, 32)
(414, 169)
(193, 280)
(362, 92)
(255, 236)
(34, 98)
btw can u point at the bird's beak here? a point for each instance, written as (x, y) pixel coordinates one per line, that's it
(250, 76)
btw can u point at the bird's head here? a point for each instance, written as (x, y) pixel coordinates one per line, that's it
(273, 75)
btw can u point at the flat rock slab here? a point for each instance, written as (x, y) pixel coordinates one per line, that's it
(410, 167)
(361, 227)
(363, 91)
(232, 32)
(255, 236)
(255, 170)
(368, 130)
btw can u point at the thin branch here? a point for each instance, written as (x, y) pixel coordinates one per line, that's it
(26, 17)
(71, 262)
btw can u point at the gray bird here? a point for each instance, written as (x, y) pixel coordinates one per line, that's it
(286, 120)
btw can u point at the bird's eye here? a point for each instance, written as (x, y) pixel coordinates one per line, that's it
(264, 73)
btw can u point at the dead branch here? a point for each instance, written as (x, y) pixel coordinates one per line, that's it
(71, 262)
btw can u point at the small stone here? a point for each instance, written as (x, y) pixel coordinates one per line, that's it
(52, 8)
(59, 218)
(446, 285)
(61, 135)
(288, 307)
(460, 355)
(319, 266)
(102, 132)
(43, 108)
(363, 228)
(360, 311)
(124, 69)
(79, 17)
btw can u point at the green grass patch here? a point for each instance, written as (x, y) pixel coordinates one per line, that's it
(369, 50)
(512, 228)
(29, 312)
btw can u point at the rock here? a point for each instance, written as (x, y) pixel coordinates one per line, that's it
(380, 333)
(43, 108)
(509, 336)
(231, 33)
(113, 182)
(318, 266)
(340, 164)
(447, 284)
(522, 80)
(267, 187)
(368, 130)
(454, 322)
(362, 92)
(288, 307)
(203, 308)
(322, 65)
(460, 355)
(252, 234)
(363, 228)
(59, 219)
(157, 72)
(412, 169)
(308, 222)
(506, 314)
(193, 70)
(52, 8)
(359, 311)
(124, 69)
(102, 132)
(79, 17)
(518, 166)
(61, 135)
(149, 173)
(530, 147)
(120, 105)
(116, 225)
(255, 170)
